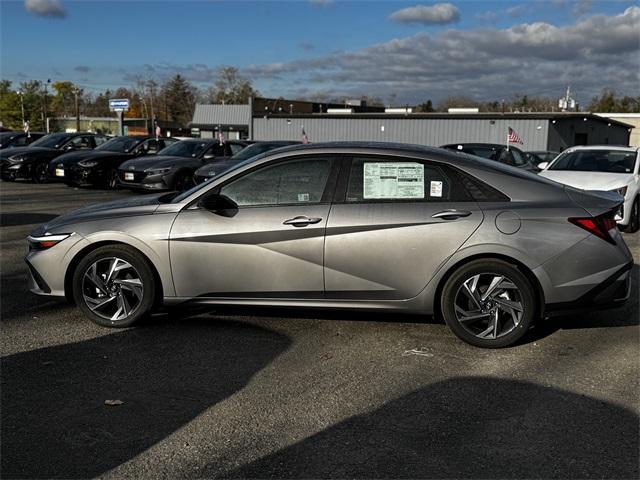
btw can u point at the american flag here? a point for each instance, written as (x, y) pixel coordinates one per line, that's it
(304, 138)
(221, 138)
(513, 136)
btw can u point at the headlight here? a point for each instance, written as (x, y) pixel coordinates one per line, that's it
(47, 240)
(622, 191)
(157, 171)
(88, 163)
(16, 159)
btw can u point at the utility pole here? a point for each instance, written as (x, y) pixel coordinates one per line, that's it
(19, 92)
(77, 91)
(45, 123)
(151, 84)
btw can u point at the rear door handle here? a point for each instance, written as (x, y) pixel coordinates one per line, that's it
(301, 221)
(451, 214)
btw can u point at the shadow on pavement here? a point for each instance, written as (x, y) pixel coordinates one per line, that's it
(54, 419)
(469, 427)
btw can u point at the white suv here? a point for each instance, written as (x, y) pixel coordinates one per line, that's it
(601, 167)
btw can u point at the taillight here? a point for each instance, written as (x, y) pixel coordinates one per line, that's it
(46, 241)
(599, 226)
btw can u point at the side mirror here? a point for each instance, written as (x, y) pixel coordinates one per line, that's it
(543, 165)
(70, 147)
(220, 204)
(209, 156)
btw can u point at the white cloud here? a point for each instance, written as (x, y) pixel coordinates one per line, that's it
(45, 8)
(438, 14)
(538, 58)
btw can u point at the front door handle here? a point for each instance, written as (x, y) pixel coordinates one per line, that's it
(451, 214)
(301, 221)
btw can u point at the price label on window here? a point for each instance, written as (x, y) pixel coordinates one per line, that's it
(393, 180)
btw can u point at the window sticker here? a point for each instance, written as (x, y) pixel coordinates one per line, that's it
(303, 197)
(393, 180)
(436, 189)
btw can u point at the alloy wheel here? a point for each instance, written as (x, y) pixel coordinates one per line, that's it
(112, 288)
(489, 306)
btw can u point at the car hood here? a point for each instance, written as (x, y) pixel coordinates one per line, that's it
(588, 180)
(72, 158)
(156, 161)
(140, 205)
(10, 152)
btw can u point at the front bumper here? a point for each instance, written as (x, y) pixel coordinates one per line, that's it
(13, 171)
(77, 175)
(142, 181)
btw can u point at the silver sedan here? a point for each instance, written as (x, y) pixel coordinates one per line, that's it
(352, 226)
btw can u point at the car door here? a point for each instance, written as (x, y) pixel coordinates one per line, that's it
(270, 245)
(394, 223)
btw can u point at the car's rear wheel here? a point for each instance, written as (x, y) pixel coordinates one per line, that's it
(112, 180)
(114, 286)
(39, 174)
(488, 303)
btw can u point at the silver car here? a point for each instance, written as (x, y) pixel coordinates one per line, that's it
(352, 226)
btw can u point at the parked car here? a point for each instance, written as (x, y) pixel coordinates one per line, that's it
(31, 162)
(99, 167)
(347, 225)
(18, 139)
(211, 169)
(539, 156)
(173, 167)
(602, 168)
(512, 156)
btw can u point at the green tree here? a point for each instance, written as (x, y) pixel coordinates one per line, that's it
(179, 98)
(610, 102)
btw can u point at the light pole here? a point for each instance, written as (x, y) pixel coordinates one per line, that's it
(44, 107)
(19, 92)
(77, 91)
(146, 113)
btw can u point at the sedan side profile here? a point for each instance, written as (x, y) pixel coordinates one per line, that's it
(31, 162)
(173, 167)
(99, 168)
(352, 226)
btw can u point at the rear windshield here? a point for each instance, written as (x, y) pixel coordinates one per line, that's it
(608, 161)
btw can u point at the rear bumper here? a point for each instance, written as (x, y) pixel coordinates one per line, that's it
(611, 293)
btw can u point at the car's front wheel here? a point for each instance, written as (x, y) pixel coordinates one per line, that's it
(39, 174)
(488, 303)
(114, 286)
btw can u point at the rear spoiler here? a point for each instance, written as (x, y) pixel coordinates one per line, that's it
(595, 202)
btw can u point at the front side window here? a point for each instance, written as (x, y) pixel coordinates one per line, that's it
(120, 144)
(374, 179)
(235, 148)
(286, 183)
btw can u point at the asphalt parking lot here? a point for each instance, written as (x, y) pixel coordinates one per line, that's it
(274, 394)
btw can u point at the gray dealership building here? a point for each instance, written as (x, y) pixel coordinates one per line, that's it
(538, 131)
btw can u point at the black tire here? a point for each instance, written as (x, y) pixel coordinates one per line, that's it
(634, 219)
(519, 288)
(39, 173)
(183, 181)
(83, 287)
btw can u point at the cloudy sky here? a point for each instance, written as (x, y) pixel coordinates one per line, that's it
(405, 52)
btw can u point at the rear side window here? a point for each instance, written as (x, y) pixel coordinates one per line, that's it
(480, 191)
(380, 179)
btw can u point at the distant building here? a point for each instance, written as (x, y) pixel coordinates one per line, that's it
(278, 119)
(628, 118)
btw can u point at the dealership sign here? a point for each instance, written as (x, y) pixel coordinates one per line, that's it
(119, 104)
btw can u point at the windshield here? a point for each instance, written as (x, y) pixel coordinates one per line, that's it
(256, 149)
(608, 161)
(54, 140)
(193, 190)
(184, 149)
(121, 144)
